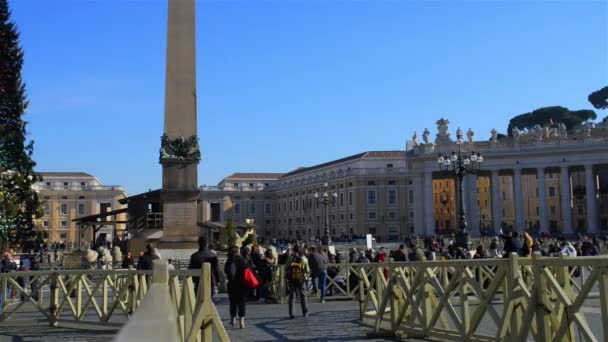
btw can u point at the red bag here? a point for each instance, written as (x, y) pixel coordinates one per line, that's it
(250, 280)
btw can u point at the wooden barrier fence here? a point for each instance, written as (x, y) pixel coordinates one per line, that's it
(109, 297)
(513, 299)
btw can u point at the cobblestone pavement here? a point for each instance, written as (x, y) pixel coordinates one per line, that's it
(331, 321)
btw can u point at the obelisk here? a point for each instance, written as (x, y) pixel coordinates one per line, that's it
(179, 153)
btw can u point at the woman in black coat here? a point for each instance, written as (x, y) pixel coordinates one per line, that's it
(237, 291)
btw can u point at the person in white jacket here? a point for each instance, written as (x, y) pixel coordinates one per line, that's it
(568, 249)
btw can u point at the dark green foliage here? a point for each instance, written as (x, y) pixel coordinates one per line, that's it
(251, 239)
(19, 202)
(229, 234)
(599, 99)
(546, 115)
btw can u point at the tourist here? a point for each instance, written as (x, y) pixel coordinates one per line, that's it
(127, 261)
(363, 259)
(265, 275)
(296, 274)
(234, 268)
(203, 255)
(320, 262)
(400, 254)
(170, 265)
(145, 262)
(527, 246)
(494, 251)
(480, 253)
(314, 271)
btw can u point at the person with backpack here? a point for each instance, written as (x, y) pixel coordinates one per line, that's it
(297, 270)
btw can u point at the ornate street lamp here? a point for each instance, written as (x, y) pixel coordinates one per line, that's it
(326, 199)
(460, 164)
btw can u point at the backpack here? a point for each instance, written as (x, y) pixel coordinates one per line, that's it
(296, 270)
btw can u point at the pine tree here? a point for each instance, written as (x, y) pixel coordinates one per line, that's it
(20, 203)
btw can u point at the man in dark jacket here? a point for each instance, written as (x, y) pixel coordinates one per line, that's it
(321, 261)
(204, 255)
(145, 261)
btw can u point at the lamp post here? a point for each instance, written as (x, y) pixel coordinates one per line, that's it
(326, 199)
(459, 164)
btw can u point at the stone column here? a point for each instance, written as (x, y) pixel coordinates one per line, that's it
(566, 201)
(496, 202)
(418, 205)
(542, 200)
(518, 200)
(472, 208)
(590, 186)
(429, 217)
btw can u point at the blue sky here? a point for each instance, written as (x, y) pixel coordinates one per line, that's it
(283, 84)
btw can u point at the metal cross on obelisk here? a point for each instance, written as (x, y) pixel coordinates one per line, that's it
(179, 153)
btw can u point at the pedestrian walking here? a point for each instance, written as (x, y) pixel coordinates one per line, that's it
(203, 255)
(237, 291)
(296, 273)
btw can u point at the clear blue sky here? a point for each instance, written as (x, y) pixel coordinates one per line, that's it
(283, 84)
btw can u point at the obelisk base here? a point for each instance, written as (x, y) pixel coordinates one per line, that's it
(180, 216)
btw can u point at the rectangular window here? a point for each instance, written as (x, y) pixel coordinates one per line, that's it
(372, 230)
(350, 198)
(537, 192)
(410, 196)
(503, 212)
(237, 209)
(81, 208)
(504, 196)
(63, 224)
(341, 199)
(371, 197)
(552, 210)
(551, 191)
(411, 214)
(297, 206)
(83, 185)
(371, 182)
(371, 215)
(45, 223)
(267, 208)
(392, 197)
(537, 211)
(47, 209)
(389, 166)
(391, 182)
(251, 208)
(66, 185)
(351, 216)
(64, 209)
(392, 215)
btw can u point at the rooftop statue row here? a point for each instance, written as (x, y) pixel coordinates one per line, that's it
(537, 133)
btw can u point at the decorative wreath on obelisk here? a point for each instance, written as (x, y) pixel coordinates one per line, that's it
(180, 150)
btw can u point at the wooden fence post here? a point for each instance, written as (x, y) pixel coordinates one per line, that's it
(542, 306)
(54, 300)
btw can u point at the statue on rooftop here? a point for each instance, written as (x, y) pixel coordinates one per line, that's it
(415, 138)
(494, 133)
(470, 135)
(425, 136)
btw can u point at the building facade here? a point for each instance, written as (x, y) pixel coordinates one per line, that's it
(67, 196)
(372, 195)
(542, 180)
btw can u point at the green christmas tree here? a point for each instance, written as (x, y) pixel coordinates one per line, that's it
(19, 202)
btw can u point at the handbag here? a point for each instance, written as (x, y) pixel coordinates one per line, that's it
(250, 280)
